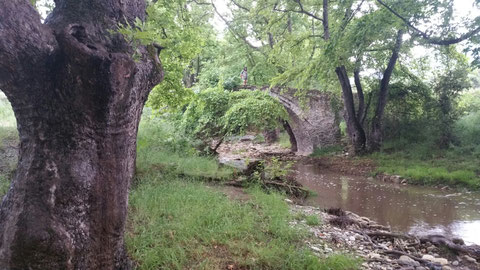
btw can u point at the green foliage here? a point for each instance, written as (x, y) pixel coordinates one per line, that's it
(277, 169)
(185, 225)
(160, 146)
(467, 128)
(215, 113)
(183, 29)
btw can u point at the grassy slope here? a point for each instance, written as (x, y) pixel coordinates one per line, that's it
(424, 164)
(182, 224)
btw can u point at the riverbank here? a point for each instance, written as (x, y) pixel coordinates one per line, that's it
(377, 245)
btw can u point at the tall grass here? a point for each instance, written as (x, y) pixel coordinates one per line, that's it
(185, 225)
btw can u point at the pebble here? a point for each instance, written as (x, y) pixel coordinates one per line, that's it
(469, 259)
(405, 260)
(428, 257)
(441, 261)
(455, 263)
(373, 255)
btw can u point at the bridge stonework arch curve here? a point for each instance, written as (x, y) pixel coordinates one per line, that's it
(313, 124)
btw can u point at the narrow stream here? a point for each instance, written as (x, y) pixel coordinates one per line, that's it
(412, 209)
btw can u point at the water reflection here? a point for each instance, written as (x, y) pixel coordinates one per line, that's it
(412, 209)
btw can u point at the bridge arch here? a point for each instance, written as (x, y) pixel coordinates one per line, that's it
(316, 124)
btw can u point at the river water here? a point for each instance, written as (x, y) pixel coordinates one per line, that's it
(411, 209)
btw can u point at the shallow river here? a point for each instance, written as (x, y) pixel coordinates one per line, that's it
(412, 209)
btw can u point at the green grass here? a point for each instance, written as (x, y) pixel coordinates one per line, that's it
(312, 220)
(424, 164)
(182, 224)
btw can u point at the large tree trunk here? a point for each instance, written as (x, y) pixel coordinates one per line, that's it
(376, 135)
(355, 130)
(77, 95)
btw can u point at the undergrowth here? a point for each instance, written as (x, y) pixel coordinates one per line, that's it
(161, 147)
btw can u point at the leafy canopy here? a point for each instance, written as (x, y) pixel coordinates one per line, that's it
(215, 113)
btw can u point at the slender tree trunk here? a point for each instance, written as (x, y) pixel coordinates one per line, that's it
(376, 135)
(77, 95)
(326, 28)
(355, 131)
(361, 113)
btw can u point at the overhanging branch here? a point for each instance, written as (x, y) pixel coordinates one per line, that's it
(244, 38)
(428, 38)
(301, 11)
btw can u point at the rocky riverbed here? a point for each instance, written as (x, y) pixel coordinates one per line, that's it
(376, 245)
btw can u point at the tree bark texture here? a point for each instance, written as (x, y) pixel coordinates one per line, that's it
(376, 135)
(355, 130)
(77, 95)
(362, 110)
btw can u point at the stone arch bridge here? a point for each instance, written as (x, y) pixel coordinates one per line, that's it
(313, 122)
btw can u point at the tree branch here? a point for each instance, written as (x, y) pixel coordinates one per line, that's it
(240, 6)
(429, 39)
(231, 30)
(301, 11)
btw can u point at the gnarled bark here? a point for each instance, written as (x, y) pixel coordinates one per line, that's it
(77, 95)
